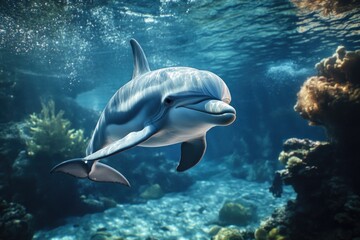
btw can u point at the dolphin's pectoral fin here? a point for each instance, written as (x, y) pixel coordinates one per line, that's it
(99, 172)
(129, 141)
(75, 167)
(191, 153)
(103, 173)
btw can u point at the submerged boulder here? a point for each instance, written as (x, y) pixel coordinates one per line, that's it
(228, 234)
(233, 212)
(152, 192)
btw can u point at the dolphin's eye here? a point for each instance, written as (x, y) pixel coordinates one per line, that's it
(168, 101)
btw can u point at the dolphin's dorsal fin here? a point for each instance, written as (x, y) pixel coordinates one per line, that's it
(141, 64)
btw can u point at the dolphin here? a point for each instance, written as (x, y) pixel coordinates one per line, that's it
(155, 108)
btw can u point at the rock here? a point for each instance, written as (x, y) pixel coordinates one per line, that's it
(15, 223)
(108, 202)
(152, 192)
(228, 234)
(172, 181)
(236, 213)
(101, 234)
(260, 234)
(92, 205)
(10, 141)
(214, 230)
(21, 165)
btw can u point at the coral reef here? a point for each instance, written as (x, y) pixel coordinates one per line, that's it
(49, 133)
(332, 99)
(328, 197)
(233, 212)
(15, 222)
(324, 174)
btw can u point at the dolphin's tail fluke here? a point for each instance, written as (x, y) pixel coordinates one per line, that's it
(93, 170)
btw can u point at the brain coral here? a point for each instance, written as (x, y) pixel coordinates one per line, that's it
(332, 99)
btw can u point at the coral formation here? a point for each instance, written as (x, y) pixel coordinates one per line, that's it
(236, 213)
(15, 223)
(273, 234)
(49, 133)
(332, 99)
(324, 174)
(328, 197)
(228, 234)
(276, 187)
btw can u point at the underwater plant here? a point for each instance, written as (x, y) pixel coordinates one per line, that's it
(49, 133)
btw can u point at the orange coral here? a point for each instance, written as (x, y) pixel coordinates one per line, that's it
(332, 99)
(342, 66)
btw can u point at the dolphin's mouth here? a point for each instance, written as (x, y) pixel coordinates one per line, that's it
(213, 107)
(216, 108)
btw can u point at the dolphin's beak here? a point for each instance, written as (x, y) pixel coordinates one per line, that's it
(223, 113)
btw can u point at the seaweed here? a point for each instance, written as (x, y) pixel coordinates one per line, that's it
(49, 133)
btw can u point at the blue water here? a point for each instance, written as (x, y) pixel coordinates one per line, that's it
(80, 51)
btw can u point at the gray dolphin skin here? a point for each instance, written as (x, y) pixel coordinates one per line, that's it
(156, 108)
